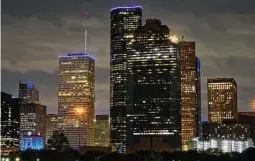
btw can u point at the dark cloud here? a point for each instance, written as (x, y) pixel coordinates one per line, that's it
(35, 33)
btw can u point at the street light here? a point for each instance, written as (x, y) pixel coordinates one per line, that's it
(79, 111)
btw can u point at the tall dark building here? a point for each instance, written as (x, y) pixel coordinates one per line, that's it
(10, 120)
(190, 92)
(124, 20)
(28, 92)
(153, 113)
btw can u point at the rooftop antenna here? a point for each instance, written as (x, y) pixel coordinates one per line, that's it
(86, 32)
(182, 37)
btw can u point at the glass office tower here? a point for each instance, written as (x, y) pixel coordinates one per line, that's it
(153, 112)
(124, 20)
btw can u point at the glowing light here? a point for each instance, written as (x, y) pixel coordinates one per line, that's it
(85, 13)
(126, 7)
(252, 103)
(79, 110)
(29, 133)
(17, 159)
(174, 39)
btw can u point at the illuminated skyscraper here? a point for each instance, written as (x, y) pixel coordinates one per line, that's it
(124, 20)
(51, 125)
(222, 99)
(76, 97)
(28, 92)
(153, 89)
(102, 131)
(190, 93)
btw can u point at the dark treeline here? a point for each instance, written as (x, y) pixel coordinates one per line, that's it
(71, 155)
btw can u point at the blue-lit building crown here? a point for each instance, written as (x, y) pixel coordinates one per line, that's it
(68, 55)
(127, 7)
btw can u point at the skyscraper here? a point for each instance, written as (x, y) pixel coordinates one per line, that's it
(28, 92)
(76, 97)
(153, 89)
(222, 99)
(124, 20)
(10, 121)
(33, 118)
(102, 131)
(51, 125)
(190, 92)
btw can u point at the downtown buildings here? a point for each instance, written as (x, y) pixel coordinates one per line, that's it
(28, 92)
(76, 97)
(51, 125)
(190, 93)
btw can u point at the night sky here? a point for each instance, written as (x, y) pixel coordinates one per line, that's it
(35, 33)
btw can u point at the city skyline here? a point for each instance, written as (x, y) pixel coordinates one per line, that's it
(48, 37)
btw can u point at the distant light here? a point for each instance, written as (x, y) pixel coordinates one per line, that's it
(126, 7)
(252, 104)
(29, 133)
(174, 39)
(85, 13)
(17, 159)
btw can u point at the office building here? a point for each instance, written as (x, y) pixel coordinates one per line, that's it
(33, 119)
(225, 145)
(230, 130)
(222, 99)
(153, 93)
(51, 125)
(190, 92)
(10, 122)
(28, 92)
(76, 97)
(102, 131)
(124, 20)
(246, 118)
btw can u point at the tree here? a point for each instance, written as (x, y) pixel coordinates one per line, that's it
(58, 141)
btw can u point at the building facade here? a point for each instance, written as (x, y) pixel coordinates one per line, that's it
(76, 97)
(28, 92)
(33, 119)
(190, 92)
(10, 121)
(225, 145)
(153, 87)
(102, 131)
(232, 131)
(124, 21)
(222, 99)
(51, 125)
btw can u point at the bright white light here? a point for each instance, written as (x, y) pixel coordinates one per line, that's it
(174, 39)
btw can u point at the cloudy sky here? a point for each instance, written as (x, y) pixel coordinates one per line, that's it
(35, 32)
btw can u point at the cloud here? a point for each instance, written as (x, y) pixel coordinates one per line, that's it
(33, 36)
